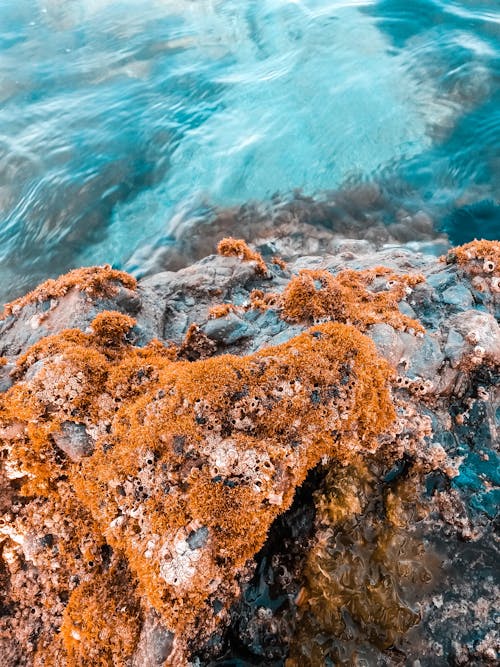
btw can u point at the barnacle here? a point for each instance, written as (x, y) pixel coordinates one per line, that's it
(495, 284)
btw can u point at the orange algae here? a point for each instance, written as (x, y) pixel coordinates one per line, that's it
(196, 345)
(102, 620)
(262, 301)
(221, 310)
(229, 247)
(279, 262)
(478, 257)
(191, 461)
(96, 281)
(65, 552)
(110, 328)
(316, 295)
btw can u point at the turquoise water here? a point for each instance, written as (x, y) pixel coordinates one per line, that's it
(120, 121)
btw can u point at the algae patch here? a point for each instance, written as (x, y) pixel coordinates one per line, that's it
(188, 465)
(147, 478)
(95, 281)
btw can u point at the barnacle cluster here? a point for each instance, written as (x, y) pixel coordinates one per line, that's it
(481, 260)
(416, 386)
(353, 297)
(147, 478)
(149, 482)
(316, 295)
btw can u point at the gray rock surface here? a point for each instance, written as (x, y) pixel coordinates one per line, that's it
(74, 440)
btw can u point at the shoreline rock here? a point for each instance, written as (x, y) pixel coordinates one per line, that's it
(394, 404)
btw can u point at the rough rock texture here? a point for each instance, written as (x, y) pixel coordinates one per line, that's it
(154, 435)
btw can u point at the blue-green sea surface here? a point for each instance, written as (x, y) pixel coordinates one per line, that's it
(122, 119)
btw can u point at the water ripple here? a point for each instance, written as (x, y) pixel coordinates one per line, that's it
(122, 120)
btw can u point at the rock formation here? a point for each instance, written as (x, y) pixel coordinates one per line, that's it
(155, 434)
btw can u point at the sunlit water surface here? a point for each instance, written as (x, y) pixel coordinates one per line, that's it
(121, 120)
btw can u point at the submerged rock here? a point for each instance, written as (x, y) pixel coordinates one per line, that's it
(154, 444)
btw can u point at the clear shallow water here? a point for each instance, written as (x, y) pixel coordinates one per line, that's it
(122, 120)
